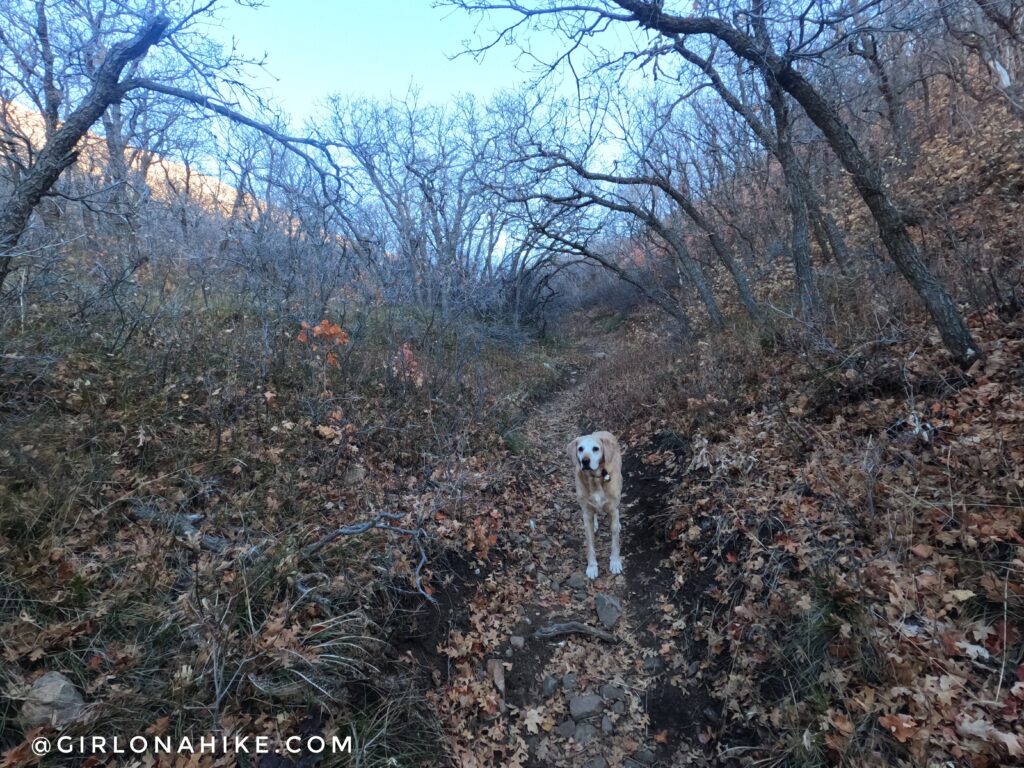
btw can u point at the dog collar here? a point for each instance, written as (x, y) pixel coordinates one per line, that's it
(605, 477)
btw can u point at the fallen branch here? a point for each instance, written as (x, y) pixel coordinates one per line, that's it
(181, 525)
(378, 522)
(571, 628)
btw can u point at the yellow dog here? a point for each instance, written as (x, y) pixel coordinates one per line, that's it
(597, 467)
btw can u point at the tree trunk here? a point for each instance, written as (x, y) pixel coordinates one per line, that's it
(836, 240)
(800, 241)
(868, 181)
(891, 228)
(695, 274)
(827, 232)
(59, 151)
(725, 255)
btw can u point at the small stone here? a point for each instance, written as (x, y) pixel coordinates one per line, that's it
(644, 756)
(596, 762)
(549, 686)
(566, 729)
(693, 669)
(619, 707)
(556, 585)
(609, 609)
(354, 474)
(606, 725)
(577, 581)
(52, 698)
(654, 664)
(569, 681)
(612, 692)
(517, 641)
(585, 733)
(584, 706)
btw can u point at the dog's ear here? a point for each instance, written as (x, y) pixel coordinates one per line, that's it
(571, 449)
(610, 452)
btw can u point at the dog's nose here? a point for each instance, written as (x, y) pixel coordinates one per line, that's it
(586, 461)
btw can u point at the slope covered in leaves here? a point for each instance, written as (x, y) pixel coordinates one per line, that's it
(824, 566)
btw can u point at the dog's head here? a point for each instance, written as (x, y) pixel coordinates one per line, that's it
(590, 452)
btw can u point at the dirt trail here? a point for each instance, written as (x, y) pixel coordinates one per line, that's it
(595, 703)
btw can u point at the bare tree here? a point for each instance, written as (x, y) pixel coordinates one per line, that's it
(59, 151)
(801, 35)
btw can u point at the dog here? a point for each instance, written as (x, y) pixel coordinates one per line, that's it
(597, 468)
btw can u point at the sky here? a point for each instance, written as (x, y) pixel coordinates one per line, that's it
(371, 48)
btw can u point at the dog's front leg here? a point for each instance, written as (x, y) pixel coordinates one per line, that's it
(615, 562)
(588, 530)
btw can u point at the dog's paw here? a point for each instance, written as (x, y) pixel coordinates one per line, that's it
(592, 571)
(615, 565)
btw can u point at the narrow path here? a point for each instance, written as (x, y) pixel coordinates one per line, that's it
(593, 703)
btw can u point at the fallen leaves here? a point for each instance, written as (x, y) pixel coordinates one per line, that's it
(902, 727)
(533, 719)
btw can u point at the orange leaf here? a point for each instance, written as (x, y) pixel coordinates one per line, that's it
(902, 727)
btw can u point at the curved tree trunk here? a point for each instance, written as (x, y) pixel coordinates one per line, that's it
(59, 151)
(866, 178)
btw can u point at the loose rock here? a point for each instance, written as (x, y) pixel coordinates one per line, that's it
(52, 698)
(653, 664)
(612, 692)
(549, 686)
(566, 729)
(644, 756)
(577, 581)
(585, 733)
(584, 706)
(609, 609)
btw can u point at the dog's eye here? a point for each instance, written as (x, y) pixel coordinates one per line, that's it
(581, 449)
(594, 449)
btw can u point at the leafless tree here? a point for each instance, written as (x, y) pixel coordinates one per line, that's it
(778, 41)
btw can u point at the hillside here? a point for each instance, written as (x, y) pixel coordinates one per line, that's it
(283, 472)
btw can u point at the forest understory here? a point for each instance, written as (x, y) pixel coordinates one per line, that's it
(284, 409)
(823, 561)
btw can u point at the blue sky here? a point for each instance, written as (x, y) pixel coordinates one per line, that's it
(370, 48)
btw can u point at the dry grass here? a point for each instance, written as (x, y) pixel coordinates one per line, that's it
(227, 420)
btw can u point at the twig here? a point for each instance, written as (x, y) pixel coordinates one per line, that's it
(179, 524)
(573, 627)
(356, 528)
(379, 521)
